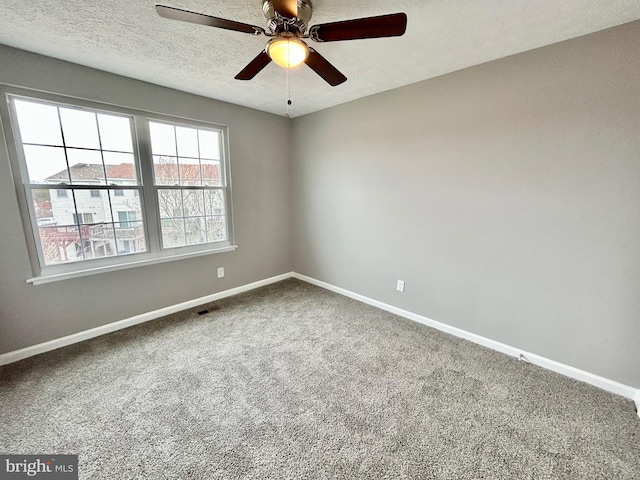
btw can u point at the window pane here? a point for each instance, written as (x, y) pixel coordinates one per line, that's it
(80, 129)
(85, 167)
(170, 203)
(127, 221)
(166, 170)
(187, 142)
(216, 229)
(46, 164)
(60, 244)
(130, 237)
(93, 205)
(211, 174)
(126, 207)
(163, 139)
(99, 240)
(173, 234)
(121, 168)
(189, 171)
(58, 205)
(38, 123)
(196, 230)
(42, 206)
(61, 238)
(193, 203)
(115, 133)
(209, 144)
(127, 218)
(214, 202)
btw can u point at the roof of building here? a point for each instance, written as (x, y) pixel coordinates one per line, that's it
(80, 171)
(126, 171)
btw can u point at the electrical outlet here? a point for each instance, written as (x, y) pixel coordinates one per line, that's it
(220, 272)
(400, 286)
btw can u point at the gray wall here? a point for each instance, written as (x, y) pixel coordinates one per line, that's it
(507, 196)
(260, 178)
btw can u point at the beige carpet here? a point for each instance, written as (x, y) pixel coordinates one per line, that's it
(292, 381)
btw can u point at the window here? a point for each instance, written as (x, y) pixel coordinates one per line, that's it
(188, 182)
(128, 218)
(125, 184)
(82, 218)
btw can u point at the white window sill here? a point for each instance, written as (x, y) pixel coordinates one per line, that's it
(42, 279)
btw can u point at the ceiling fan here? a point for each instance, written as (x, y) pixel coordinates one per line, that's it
(287, 26)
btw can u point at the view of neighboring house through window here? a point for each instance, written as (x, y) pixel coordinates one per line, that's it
(83, 182)
(75, 150)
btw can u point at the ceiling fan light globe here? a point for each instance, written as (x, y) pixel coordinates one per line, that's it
(287, 51)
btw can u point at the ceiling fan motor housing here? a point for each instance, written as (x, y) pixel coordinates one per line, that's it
(278, 23)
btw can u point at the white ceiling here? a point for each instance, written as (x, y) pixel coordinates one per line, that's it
(127, 37)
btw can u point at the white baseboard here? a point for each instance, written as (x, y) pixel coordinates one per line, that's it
(566, 370)
(23, 353)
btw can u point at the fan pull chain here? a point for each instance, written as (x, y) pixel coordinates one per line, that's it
(288, 92)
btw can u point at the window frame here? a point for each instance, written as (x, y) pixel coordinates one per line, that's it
(144, 168)
(181, 187)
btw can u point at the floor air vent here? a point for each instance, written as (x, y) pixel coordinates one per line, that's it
(213, 308)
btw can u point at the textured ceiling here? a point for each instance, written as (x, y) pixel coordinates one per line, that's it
(127, 37)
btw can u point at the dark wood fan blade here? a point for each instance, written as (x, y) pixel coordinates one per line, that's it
(254, 67)
(201, 19)
(286, 8)
(322, 67)
(392, 25)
